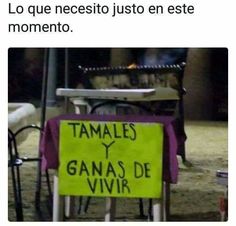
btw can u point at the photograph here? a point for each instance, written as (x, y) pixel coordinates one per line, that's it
(136, 134)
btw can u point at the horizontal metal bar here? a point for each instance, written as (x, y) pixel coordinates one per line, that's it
(137, 69)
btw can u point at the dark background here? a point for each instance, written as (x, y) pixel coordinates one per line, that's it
(206, 74)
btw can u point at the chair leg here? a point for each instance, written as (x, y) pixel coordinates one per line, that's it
(15, 172)
(110, 209)
(157, 210)
(141, 210)
(87, 204)
(150, 210)
(57, 202)
(19, 201)
(166, 201)
(80, 204)
(17, 194)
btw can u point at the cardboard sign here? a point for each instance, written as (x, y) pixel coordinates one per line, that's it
(110, 159)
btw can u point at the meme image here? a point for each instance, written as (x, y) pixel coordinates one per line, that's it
(118, 134)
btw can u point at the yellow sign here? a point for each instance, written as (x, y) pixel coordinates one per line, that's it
(116, 159)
